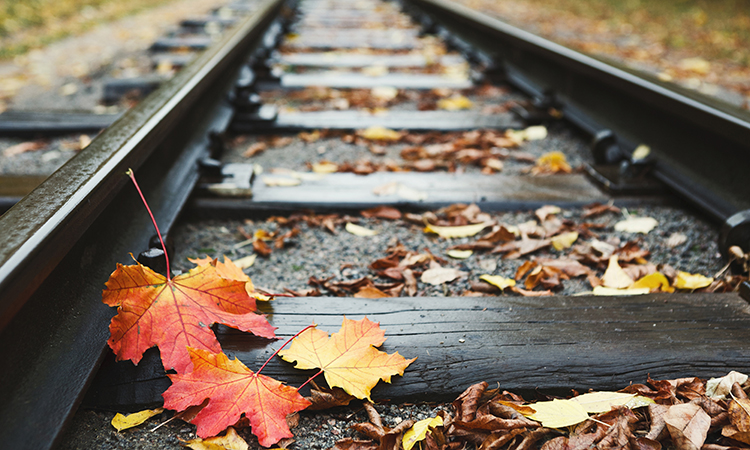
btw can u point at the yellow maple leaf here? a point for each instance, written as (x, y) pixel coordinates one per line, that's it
(552, 162)
(230, 441)
(558, 413)
(348, 358)
(418, 431)
(123, 422)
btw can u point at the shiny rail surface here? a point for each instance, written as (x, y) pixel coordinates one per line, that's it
(76, 225)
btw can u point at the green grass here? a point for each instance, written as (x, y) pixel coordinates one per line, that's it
(711, 28)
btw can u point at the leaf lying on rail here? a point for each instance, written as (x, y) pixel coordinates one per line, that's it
(176, 314)
(348, 358)
(233, 390)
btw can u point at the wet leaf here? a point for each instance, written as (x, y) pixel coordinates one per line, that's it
(457, 232)
(233, 390)
(635, 224)
(558, 413)
(359, 230)
(230, 441)
(418, 432)
(123, 422)
(691, 281)
(348, 358)
(498, 281)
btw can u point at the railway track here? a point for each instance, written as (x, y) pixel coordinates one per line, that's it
(185, 142)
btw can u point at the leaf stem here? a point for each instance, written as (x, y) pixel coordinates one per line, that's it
(131, 174)
(309, 379)
(280, 348)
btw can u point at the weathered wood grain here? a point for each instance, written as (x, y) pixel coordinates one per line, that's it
(520, 344)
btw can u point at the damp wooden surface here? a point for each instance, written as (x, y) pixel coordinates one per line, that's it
(519, 344)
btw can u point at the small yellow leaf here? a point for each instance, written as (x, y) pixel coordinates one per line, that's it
(697, 65)
(637, 225)
(359, 231)
(533, 133)
(455, 103)
(457, 232)
(564, 240)
(378, 133)
(558, 413)
(375, 71)
(123, 422)
(653, 281)
(553, 162)
(599, 402)
(384, 93)
(230, 441)
(639, 401)
(280, 181)
(325, 167)
(498, 281)
(605, 291)
(460, 254)
(419, 431)
(686, 280)
(247, 261)
(614, 276)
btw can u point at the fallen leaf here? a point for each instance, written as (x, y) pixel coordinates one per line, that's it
(123, 422)
(325, 167)
(405, 192)
(676, 239)
(637, 225)
(230, 441)
(233, 390)
(246, 262)
(370, 292)
(418, 432)
(325, 398)
(599, 402)
(24, 147)
(739, 417)
(558, 413)
(439, 275)
(719, 388)
(691, 281)
(379, 133)
(614, 276)
(545, 211)
(695, 64)
(655, 280)
(688, 425)
(348, 358)
(455, 103)
(456, 232)
(564, 240)
(255, 149)
(359, 230)
(384, 93)
(280, 181)
(176, 314)
(498, 281)
(460, 254)
(552, 162)
(532, 133)
(382, 212)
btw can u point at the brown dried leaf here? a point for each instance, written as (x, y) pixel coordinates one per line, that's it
(688, 425)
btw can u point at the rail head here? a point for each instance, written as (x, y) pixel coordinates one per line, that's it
(42, 227)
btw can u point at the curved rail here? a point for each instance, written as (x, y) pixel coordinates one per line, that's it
(61, 241)
(700, 147)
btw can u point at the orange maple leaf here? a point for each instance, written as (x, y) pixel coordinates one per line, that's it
(230, 271)
(176, 314)
(232, 389)
(348, 358)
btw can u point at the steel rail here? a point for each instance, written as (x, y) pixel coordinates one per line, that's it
(700, 146)
(61, 242)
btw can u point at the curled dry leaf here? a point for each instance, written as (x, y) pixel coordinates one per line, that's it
(457, 232)
(564, 240)
(551, 163)
(382, 212)
(125, 421)
(460, 254)
(360, 230)
(719, 388)
(379, 133)
(614, 276)
(652, 281)
(325, 167)
(498, 281)
(418, 432)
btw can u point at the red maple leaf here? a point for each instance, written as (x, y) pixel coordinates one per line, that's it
(176, 314)
(232, 390)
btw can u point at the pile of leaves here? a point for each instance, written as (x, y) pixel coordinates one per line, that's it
(684, 414)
